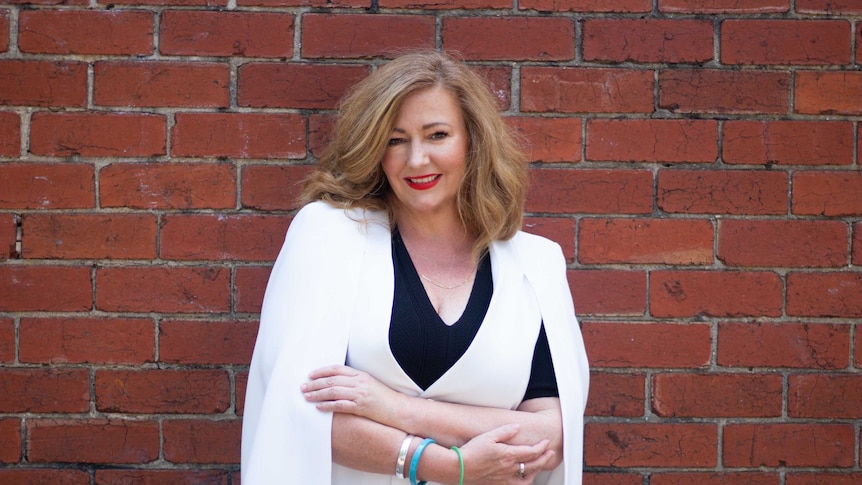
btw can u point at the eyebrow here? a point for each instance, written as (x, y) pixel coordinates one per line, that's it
(425, 126)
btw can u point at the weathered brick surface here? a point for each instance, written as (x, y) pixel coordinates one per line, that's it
(697, 161)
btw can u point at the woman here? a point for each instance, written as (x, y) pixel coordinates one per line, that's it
(408, 328)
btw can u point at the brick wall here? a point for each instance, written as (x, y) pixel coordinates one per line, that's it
(699, 162)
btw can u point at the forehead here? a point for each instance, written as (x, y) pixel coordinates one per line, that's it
(435, 104)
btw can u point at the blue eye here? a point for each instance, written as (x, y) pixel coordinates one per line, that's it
(395, 141)
(439, 135)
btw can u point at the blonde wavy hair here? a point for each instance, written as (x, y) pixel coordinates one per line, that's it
(490, 201)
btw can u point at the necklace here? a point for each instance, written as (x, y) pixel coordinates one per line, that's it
(438, 285)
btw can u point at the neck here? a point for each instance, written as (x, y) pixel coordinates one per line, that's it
(441, 238)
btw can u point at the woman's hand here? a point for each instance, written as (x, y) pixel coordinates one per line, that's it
(488, 459)
(343, 389)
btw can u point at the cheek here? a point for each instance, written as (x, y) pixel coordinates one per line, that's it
(390, 167)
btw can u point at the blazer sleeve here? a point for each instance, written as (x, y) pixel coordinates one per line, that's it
(304, 325)
(545, 267)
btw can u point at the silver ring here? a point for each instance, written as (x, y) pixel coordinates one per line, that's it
(522, 472)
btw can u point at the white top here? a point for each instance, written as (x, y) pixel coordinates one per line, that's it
(329, 301)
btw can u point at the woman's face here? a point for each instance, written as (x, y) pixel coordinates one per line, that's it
(426, 158)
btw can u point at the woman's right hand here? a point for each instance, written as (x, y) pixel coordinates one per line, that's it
(489, 459)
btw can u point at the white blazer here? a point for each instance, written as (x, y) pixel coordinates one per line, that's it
(329, 301)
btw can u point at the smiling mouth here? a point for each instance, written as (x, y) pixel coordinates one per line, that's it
(424, 182)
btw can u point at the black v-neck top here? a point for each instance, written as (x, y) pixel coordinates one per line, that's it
(425, 347)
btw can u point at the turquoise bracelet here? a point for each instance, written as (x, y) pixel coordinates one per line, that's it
(414, 463)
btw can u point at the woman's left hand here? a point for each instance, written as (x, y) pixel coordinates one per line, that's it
(343, 389)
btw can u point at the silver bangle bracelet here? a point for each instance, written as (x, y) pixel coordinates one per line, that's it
(402, 456)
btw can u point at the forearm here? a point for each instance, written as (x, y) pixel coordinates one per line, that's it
(366, 445)
(454, 424)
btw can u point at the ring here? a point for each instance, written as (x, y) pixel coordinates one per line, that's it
(522, 472)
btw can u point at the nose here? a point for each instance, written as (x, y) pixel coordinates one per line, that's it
(417, 155)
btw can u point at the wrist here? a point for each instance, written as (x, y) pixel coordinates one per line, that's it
(439, 464)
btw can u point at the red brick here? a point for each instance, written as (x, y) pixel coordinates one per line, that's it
(620, 395)
(651, 445)
(590, 191)
(163, 289)
(109, 441)
(499, 81)
(168, 186)
(200, 441)
(241, 382)
(858, 42)
(43, 83)
(98, 134)
(45, 288)
(824, 294)
(828, 93)
(446, 4)
(89, 236)
(215, 342)
(4, 30)
(793, 345)
(821, 478)
(87, 340)
(722, 192)
(802, 445)
(306, 3)
(720, 91)
(783, 243)
(787, 142)
(249, 286)
(558, 229)
(608, 292)
(321, 127)
(829, 6)
(655, 345)
(715, 293)
(717, 395)
(86, 32)
(857, 359)
(45, 390)
(347, 36)
(724, 6)
(717, 478)
(680, 141)
(168, 84)
(10, 441)
(159, 477)
(7, 340)
(645, 241)
(648, 40)
(174, 3)
(586, 90)
(272, 187)
(162, 391)
(225, 33)
(222, 237)
(239, 135)
(8, 236)
(41, 476)
(783, 42)
(45, 2)
(611, 478)
(549, 140)
(303, 86)
(827, 193)
(47, 186)
(621, 6)
(10, 134)
(834, 396)
(510, 38)
(857, 244)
